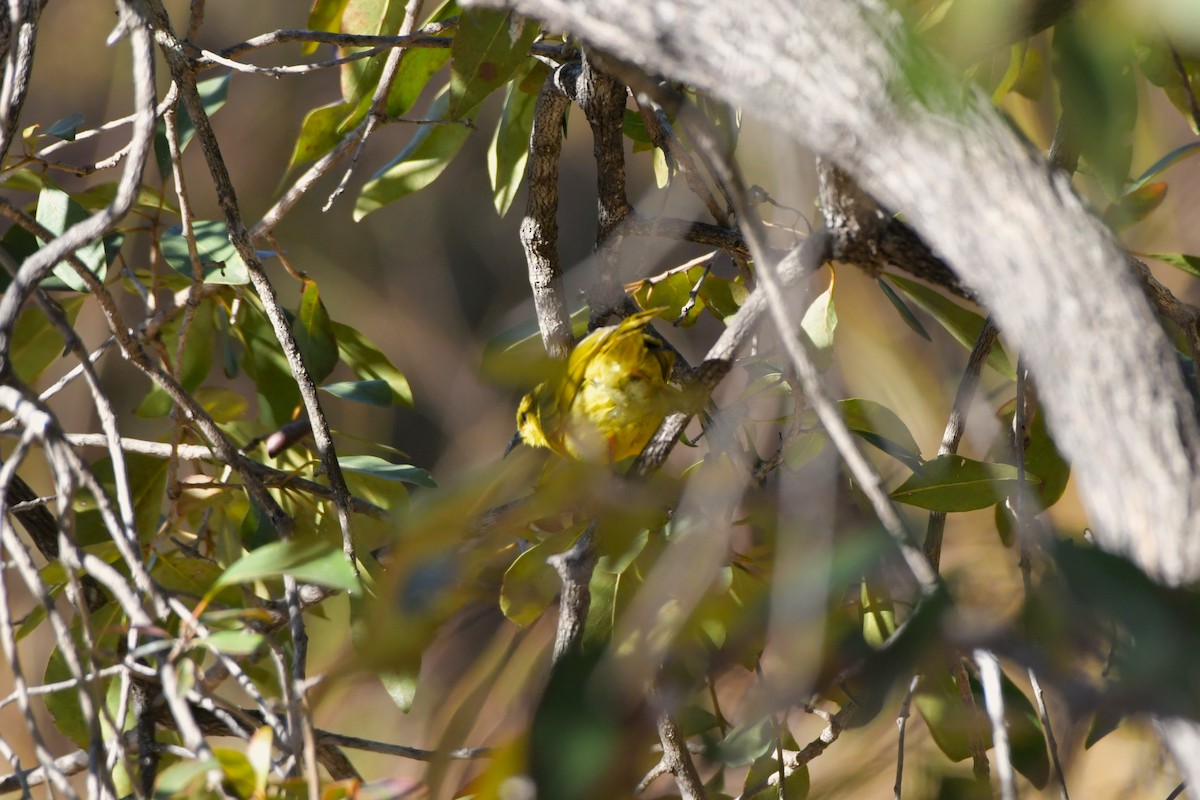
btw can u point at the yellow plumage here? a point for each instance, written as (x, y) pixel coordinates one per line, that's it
(611, 399)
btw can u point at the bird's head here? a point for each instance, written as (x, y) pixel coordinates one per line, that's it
(529, 423)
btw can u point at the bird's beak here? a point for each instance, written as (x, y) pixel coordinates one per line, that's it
(516, 440)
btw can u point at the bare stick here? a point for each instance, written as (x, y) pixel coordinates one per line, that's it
(989, 675)
(902, 724)
(539, 228)
(677, 760)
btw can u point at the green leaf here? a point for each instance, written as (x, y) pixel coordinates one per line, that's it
(64, 705)
(319, 133)
(419, 164)
(236, 771)
(66, 127)
(746, 743)
(57, 211)
(213, 94)
(196, 363)
(819, 323)
(420, 64)
(878, 614)
(372, 392)
(939, 702)
(359, 78)
(1043, 461)
(179, 778)
(1159, 167)
(962, 324)
(671, 290)
(147, 476)
(373, 465)
(401, 686)
(36, 342)
(906, 313)
(804, 449)
(634, 127)
(509, 149)
(1135, 205)
(1157, 61)
(222, 404)
(1189, 264)
(220, 259)
(951, 483)
(324, 16)
(765, 769)
(530, 584)
(310, 560)
(238, 643)
(264, 363)
(488, 47)
(361, 355)
(314, 334)
(882, 428)
(1093, 62)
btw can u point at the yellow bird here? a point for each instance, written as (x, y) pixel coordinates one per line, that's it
(611, 399)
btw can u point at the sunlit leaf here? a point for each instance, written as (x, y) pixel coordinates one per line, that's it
(819, 323)
(373, 465)
(1135, 205)
(509, 149)
(419, 164)
(1189, 264)
(951, 483)
(310, 560)
(319, 133)
(220, 259)
(370, 364)
(235, 642)
(324, 16)
(418, 66)
(67, 127)
(57, 211)
(213, 94)
(236, 771)
(488, 47)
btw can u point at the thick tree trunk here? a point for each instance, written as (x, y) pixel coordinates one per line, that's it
(841, 77)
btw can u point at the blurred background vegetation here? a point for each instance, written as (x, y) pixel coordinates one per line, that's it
(434, 277)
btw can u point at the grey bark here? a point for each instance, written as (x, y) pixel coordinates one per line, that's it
(836, 75)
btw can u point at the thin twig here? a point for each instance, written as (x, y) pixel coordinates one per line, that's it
(902, 724)
(955, 427)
